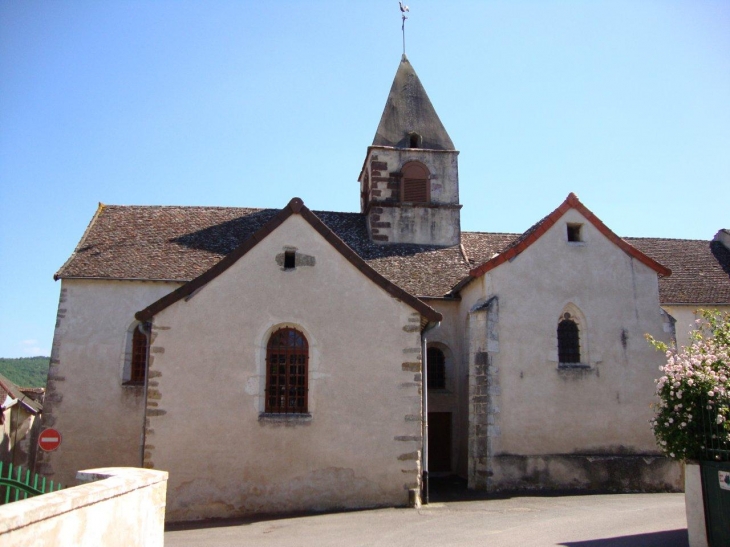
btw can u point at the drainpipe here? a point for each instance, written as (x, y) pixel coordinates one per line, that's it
(146, 329)
(424, 403)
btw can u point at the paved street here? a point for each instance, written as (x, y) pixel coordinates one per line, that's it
(620, 520)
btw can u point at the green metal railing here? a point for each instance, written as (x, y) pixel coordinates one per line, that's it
(17, 484)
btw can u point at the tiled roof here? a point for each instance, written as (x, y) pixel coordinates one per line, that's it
(295, 207)
(700, 269)
(181, 243)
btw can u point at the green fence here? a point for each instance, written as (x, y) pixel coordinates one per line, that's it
(16, 484)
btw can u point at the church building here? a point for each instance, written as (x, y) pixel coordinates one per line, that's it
(277, 360)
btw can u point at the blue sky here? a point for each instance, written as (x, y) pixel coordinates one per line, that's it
(627, 104)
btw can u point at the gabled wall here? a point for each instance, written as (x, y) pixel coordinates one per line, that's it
(538, 424)
(206, 425)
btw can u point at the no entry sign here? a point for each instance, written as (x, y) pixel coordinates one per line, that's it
(49, 440)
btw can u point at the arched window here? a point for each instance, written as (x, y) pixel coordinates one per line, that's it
(415, 187)
(435, 369)
(138, 358)
(287, 357)
(568, 340)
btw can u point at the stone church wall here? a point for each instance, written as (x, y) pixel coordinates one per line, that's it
(359, 445)
(538, 423)
(437, 222)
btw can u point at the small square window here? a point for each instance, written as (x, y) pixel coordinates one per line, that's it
(289, 260)
(574, 232)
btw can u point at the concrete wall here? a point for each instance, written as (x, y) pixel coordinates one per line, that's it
(124, 508)
(537, 424)
(694, 505)
(361, 444)
(99, 419)
(437, 223)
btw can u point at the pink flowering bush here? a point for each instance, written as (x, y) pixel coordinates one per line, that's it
(693, 412)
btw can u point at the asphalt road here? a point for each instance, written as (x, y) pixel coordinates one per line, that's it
(618, 520)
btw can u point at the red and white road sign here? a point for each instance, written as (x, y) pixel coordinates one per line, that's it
(49, 440)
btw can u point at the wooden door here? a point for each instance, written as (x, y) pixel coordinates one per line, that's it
(439, 442)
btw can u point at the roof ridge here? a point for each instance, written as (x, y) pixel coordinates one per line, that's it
(667, 238)
(295, 206)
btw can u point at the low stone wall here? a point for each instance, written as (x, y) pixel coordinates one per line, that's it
(119, 507)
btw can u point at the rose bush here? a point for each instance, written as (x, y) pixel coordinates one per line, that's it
(693, 412)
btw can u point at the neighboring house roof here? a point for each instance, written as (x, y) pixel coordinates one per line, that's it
(295, 206)
(9, 389)
(409, 110)
(180, 243)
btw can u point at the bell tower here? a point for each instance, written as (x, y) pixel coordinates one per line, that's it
(409, 184)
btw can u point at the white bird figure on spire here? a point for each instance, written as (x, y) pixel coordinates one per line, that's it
(403, 10)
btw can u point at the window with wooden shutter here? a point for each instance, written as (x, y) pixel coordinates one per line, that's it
(287, 360)
(415, 187)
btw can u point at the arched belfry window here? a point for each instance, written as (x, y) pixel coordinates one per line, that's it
(435, 369)
(287, 360)
(415, 187)
(568, 340)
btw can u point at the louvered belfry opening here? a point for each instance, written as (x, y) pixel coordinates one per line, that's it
(139, 356)
(287, 360)
(415, 187)
(568, 341)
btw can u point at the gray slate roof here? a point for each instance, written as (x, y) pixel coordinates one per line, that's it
(180, 243)
(408, 109)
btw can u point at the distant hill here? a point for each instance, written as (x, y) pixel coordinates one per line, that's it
(26, 371)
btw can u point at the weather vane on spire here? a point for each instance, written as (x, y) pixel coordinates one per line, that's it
(403, 10)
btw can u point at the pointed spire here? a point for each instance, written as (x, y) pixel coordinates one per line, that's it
(409, 116)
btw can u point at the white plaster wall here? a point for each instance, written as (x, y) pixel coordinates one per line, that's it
(100, 420)
(361, 446)
(686, 316)
(124, 508)
(604, 408)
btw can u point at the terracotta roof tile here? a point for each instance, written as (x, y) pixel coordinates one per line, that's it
(180, 243)
(700, 269)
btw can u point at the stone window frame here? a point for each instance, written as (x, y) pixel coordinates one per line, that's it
(135, 356)
(572, 313)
